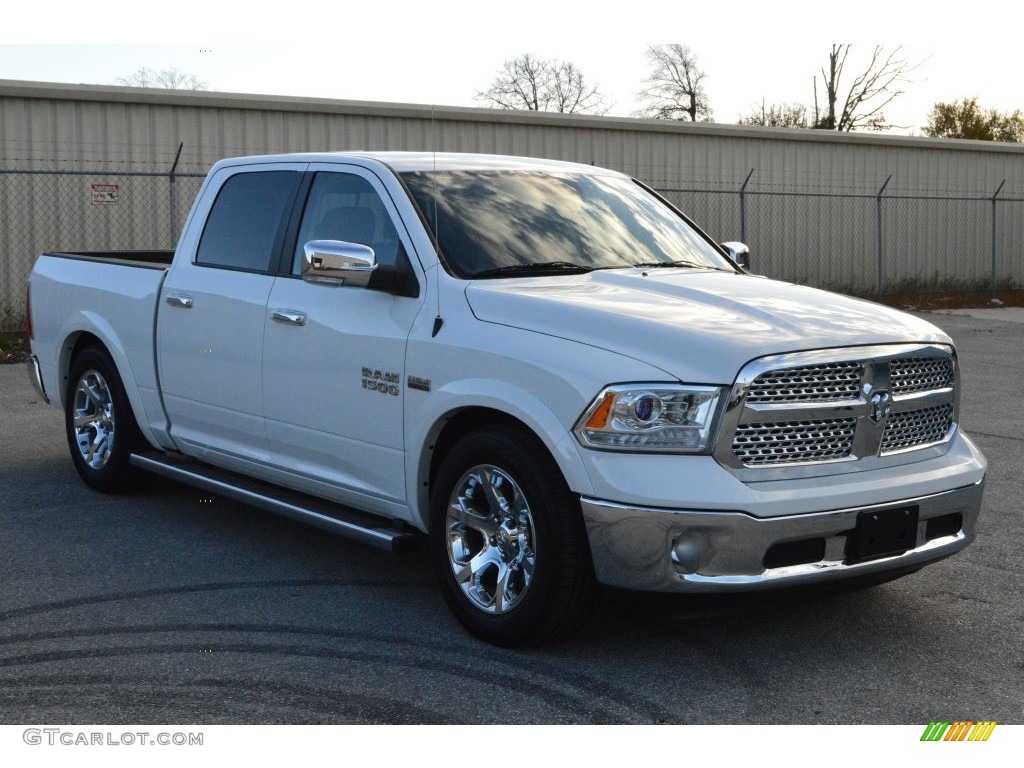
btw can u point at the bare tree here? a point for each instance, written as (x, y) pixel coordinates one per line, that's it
(777, 116)
(543, 85)
(164, 78)
(675, 88)
(868, 95)
(572, 94)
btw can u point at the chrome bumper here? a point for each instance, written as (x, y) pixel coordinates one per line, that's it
(36, 376)
(665, 550)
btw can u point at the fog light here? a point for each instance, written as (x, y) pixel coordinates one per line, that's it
(687, 549)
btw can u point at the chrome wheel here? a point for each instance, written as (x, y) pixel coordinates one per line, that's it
(93, 419)
(491, 539)
(497, 501)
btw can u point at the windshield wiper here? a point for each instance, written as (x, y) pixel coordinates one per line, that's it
(679, 263)
(536, 268)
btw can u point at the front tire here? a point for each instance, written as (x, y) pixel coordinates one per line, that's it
(507, 540)
(101, 428)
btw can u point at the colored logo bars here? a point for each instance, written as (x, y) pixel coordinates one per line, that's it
(960, 730)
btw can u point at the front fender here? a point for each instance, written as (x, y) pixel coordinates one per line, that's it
(543, 381)
(496, 395)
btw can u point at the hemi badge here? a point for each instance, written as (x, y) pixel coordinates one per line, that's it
(415, 382)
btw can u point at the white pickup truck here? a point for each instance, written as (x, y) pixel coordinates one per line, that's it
(543, 366)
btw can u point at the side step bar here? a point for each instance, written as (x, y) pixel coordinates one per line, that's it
(344, 521)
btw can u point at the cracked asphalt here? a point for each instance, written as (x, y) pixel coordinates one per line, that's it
(159, 607)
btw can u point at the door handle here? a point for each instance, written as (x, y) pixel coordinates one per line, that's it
(288, 316)
(185, 302)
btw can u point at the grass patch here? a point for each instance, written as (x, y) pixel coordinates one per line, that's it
(11, 321)
(952, 300)
(13, 347)
(13, 339)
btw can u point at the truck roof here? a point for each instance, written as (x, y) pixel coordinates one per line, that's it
(428, 161)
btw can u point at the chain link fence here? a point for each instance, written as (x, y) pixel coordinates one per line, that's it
(870, 245)
(858, 243)
(83, 211)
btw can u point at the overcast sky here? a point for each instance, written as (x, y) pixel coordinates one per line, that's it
(445, 52)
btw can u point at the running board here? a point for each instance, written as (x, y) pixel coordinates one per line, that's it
(344, 521)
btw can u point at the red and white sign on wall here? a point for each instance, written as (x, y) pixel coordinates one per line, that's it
(105, 194)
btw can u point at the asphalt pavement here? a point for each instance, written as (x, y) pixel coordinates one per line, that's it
(170, 606)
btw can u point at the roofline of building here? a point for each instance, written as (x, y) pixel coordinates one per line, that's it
(28, 89)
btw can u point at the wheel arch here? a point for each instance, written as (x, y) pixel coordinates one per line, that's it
(447, 429)
(69, 351)
(82, 338)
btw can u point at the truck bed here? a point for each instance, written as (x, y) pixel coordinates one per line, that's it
(146, 259)
(111, 295)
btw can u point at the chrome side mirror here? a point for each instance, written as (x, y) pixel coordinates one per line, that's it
(738, 252)
(334, 261)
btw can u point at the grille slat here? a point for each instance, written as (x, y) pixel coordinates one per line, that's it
(920, 427)
(920, 374)
(810, 384)
(785, 442)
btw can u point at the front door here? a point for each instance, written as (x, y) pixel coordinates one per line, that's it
(334, 355)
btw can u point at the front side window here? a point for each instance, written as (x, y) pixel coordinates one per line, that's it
(246, 219)
(346, 207)
(493, 223)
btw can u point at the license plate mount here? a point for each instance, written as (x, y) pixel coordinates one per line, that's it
(883, 533)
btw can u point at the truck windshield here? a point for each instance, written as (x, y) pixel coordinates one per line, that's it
(503, 223)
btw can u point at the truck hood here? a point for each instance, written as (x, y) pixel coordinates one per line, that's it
(698, 326)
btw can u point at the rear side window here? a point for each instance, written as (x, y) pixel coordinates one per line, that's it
(247, 219)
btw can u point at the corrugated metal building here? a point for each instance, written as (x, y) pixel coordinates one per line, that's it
(810, 204)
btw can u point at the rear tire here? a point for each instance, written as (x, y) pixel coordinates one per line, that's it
(101, 428)
(507, 540)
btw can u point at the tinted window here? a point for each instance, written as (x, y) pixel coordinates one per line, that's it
(489, 220)
(242, 228)
(345, 207)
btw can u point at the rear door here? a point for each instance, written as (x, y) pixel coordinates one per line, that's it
(212, 314)
(334, 355)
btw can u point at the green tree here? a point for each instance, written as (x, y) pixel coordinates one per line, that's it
(966, 119)
(777, 116)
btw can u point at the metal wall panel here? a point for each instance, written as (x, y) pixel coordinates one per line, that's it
(139, 129)
(823, 230)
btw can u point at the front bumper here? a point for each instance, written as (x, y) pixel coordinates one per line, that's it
(701, 551)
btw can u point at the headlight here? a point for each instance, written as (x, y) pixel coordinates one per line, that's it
(663, 418)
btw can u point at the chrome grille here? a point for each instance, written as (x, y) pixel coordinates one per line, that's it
(920, 374)
(837, 407)
(914, 428)
(785, 442)
(812, 383)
